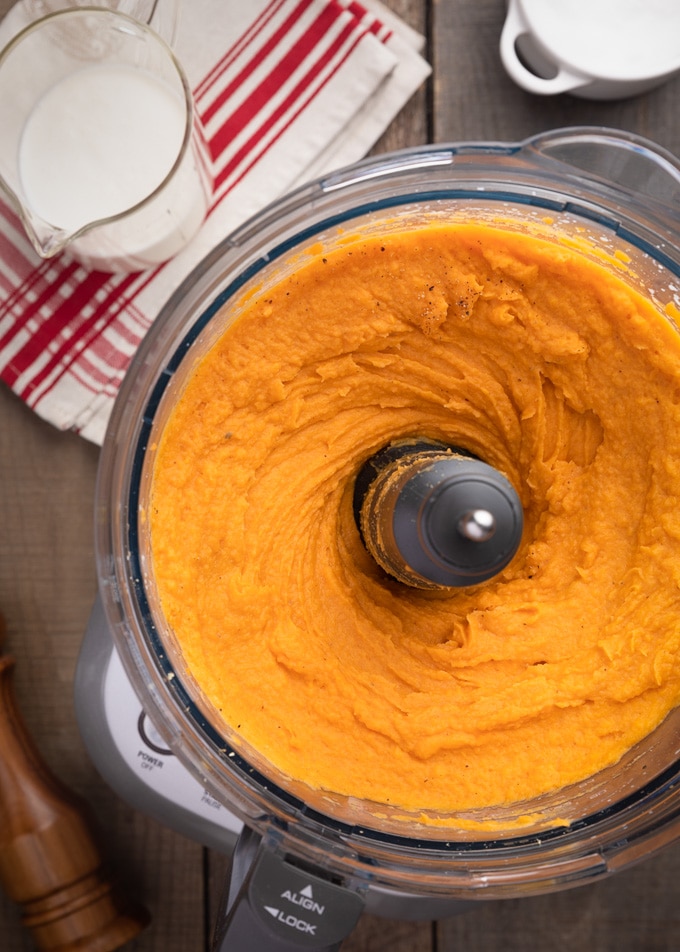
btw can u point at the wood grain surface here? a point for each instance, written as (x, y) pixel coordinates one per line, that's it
(47, 584)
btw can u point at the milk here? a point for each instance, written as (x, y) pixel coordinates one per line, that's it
(99, 142)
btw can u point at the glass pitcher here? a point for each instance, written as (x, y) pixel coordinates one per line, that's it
(102, 153)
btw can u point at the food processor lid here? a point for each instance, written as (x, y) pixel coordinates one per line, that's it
(619, 40)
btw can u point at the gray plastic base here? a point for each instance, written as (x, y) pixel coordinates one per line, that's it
(129, 753)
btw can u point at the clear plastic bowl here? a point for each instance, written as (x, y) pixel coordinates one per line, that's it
(618, 195)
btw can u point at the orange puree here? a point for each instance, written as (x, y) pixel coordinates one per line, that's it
(546, 365)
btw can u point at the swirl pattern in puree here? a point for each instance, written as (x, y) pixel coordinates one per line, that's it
(545, 364)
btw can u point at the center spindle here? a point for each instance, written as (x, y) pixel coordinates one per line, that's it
(435, 516)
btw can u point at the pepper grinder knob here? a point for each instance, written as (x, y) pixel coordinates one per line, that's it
(434, 516)
(50, 863)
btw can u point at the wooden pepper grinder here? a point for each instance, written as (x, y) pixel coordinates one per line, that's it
(49, 861)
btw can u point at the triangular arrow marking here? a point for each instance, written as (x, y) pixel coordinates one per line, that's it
(272, 911)
(307, 891)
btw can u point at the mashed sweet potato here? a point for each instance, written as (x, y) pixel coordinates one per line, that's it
(540, 361)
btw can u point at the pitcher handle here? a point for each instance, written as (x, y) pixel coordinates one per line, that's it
(621, 159)
(161, 15)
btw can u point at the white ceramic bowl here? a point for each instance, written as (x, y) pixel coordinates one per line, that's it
(594, 49)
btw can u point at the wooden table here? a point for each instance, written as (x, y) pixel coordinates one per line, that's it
(47, 582)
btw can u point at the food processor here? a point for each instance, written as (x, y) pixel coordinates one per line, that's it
(306, 862)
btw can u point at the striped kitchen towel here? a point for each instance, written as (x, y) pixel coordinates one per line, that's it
(286, 90)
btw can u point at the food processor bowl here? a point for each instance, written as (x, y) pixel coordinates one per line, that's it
(613, 196)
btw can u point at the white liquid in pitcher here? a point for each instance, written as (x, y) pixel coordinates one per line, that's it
(97, 143)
